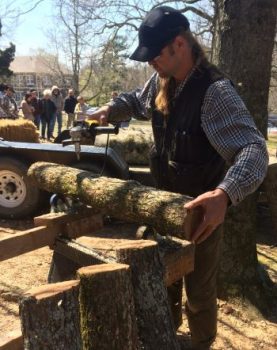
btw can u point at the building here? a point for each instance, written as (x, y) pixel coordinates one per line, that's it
(40, 73)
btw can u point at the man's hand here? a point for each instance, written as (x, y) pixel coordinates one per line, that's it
(101, 115)
(214, 204)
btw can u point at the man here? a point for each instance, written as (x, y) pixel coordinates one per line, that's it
(199, 124)
(9, 105)
(69, 107)
(3, 88)
(36, 105)
(57, 98)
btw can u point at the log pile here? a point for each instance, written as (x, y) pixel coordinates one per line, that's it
(126, 200)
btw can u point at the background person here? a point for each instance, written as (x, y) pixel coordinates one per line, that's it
(27, 108)
(69, 107)
(48, 110)
(57, 98)
(9, 105)
(35, 104)
(81, 108)
(199, 124)
(3, 88)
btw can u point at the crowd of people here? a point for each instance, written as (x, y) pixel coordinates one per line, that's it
(45, 112)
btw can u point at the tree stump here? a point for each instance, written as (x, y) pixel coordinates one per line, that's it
(107, 308)
(155, 324)
(50, 317)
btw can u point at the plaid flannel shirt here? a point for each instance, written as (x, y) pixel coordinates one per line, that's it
(227, 124)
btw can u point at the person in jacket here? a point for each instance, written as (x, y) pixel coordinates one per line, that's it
(48, 111)
(3, 88)
(9, 105)
(69, 107)
(200, 124)
(81, 108)
(27, 108)
(35, 105)
(57, 98)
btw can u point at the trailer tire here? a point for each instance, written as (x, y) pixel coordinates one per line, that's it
(19, 197)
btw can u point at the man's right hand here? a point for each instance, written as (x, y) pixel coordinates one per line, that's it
(101, 115)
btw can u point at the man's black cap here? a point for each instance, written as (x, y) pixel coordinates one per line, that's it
(160, 26)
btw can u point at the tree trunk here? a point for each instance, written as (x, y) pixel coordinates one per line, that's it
(107, 308)
(155, 323)
(50, 317)
(242, 48)
(126, 200)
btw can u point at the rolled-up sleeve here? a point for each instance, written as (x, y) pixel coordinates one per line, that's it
(232, 132)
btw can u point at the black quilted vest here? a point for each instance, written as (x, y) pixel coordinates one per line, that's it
(182, 159)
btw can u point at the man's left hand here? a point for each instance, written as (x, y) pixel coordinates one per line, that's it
(214, 204)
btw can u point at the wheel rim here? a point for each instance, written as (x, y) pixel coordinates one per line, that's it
(12, 189)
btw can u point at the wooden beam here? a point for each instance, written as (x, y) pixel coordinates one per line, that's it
(42, 236)
(27, 241)
(72, 225)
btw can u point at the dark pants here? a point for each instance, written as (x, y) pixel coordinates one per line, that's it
(37, 121)
(201, 304)
(57, 118)
(45, 124)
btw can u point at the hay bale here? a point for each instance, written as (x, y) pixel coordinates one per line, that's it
(20, 130)
(133, 144)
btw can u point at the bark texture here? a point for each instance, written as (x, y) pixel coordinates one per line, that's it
(50, 317)
(242, 48)
(127, 200)
(270, 187)
(155, 323)
(107, 308)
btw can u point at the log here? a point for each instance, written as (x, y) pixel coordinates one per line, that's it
(107, 308)
(12, 341)
(155, 323)
(50, 317)
(126, 200)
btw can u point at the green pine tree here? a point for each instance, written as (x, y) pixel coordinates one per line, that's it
(6, 57)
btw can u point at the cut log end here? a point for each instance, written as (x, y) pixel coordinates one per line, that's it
(96, 269)
(50, 290)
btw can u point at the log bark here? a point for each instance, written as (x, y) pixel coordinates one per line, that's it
(50, 317)
(127, 200)
(107, 308)
(155, 323)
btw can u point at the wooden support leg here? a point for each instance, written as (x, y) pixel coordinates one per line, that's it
(50, 317)
(62, 268)
(107, 308)
(155, 324)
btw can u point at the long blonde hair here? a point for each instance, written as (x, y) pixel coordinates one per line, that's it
(198, 55)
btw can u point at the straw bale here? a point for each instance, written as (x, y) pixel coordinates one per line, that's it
(133, 144)
(20, 130)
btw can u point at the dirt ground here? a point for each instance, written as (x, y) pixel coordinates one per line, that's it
(238, 329)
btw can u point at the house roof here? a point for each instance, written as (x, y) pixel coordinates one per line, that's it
(38, 64)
